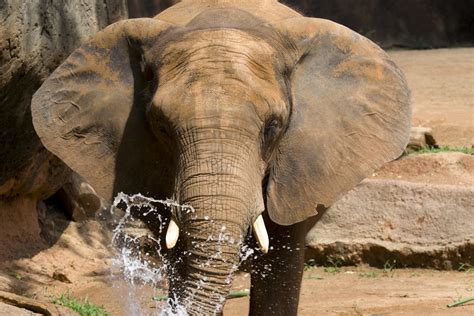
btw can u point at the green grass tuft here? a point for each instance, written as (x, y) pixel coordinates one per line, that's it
(389, 267)
(310, 264)
(237, 294)
(461, 302)
(314, 277)
(332, 270)
(369, 274)
(160, 298)
(83, 307)
(466, 267)
(432, 150)
(334, 267)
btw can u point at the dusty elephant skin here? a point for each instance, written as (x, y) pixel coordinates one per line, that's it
(238, 108)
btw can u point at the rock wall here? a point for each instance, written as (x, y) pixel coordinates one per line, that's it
(390, 23)
(35, 37)
(140, 8)
(395, 23)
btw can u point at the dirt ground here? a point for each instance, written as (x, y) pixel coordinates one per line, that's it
(80, 262)
(451, 168)
(368, 291)
(441, 81)
(76, 257)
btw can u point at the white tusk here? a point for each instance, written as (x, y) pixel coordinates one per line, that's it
(261, 234)
(172, 234)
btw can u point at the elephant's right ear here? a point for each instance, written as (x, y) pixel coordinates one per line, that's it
(89, 111)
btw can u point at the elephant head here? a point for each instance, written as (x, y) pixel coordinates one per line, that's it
(228, 112)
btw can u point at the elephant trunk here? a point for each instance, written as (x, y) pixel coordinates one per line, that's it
(210, 266)
(220, 181)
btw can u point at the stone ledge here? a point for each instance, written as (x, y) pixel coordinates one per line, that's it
(416, 224)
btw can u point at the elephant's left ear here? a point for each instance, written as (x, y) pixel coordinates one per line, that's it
(351, 114)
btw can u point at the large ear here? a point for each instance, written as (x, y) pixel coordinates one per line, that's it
(350, 114)
(91, 111)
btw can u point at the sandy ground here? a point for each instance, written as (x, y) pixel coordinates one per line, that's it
(81, 255)
(451, 168)
(368, 291)
(442, 84)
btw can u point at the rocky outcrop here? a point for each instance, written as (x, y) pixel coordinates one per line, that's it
(36, 36)
(12, 304)
(390, 23)
(413, 224)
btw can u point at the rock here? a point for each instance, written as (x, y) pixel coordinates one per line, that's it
(80, 199)
(7, 309)
(419, 24)
(61, 277)
(416, 224)
(35, 37)
(421, 137)
(20, 234)
(12, 304)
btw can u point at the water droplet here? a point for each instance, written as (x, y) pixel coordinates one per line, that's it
(139, 267)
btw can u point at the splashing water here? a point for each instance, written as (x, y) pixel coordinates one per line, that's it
(139, 256)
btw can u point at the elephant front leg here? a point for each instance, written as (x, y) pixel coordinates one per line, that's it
(276, 276)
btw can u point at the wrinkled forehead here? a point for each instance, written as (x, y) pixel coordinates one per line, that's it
(224, 70)
(219, 54)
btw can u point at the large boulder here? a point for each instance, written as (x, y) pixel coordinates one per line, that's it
(416, 220)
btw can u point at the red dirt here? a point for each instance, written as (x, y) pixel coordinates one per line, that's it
(82, 255)
(368, 291)
(441, 81)
(352, 291)
(441, 168)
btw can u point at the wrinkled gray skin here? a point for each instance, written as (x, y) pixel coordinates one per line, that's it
(237, 108)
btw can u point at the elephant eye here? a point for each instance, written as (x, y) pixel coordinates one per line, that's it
(148, 74)
(163, 130)
(271, 129)
(270, 134)
(159, 123)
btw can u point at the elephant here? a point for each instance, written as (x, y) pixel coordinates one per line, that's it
(252, 114)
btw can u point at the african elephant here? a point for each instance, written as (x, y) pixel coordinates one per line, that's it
(247, 111)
